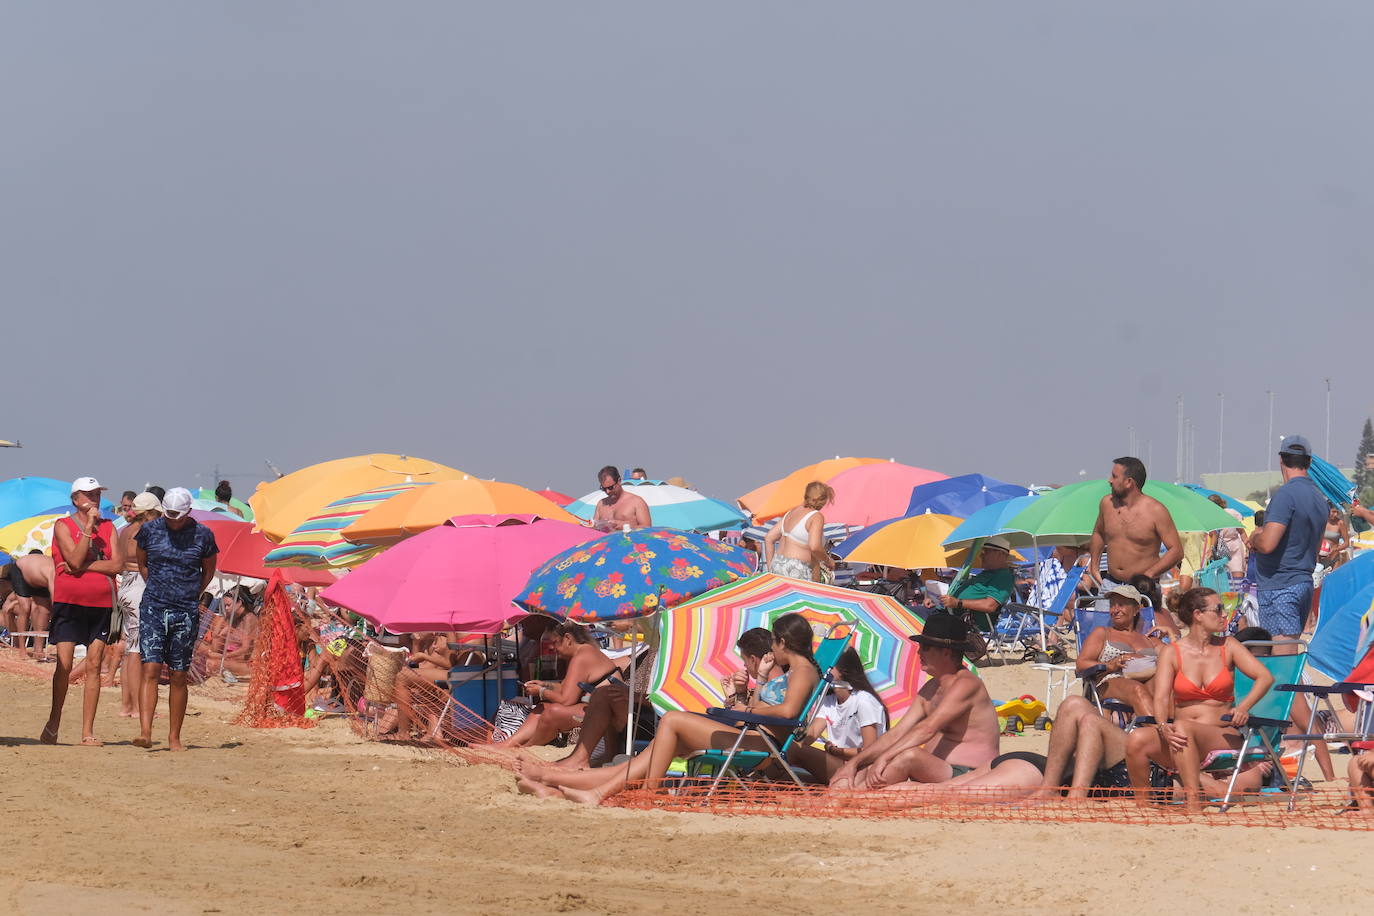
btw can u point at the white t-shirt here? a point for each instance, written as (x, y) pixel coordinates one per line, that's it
(845, 721)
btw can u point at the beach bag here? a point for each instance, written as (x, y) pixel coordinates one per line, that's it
(509, 717)
(977, 642)
(1215, 576)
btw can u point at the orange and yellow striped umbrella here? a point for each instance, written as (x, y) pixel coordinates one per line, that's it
(423, 508)
(281, 506)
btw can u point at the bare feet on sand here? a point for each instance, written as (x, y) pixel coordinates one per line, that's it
(92, 741)
(582, 796)
(141, 741)
(538, 789)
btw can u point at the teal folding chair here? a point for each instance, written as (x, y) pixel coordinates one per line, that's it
(738, 761)
(1262, 735)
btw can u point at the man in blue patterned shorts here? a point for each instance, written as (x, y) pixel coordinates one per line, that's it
(1286, 547)
(176, 556)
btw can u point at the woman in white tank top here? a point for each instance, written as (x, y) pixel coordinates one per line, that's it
(795, 546)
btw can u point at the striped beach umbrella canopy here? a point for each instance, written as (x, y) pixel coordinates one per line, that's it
(630, 574)
(670, 507)
(318, 542)
(697, 646)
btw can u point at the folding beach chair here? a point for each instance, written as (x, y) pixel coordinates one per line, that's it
(1263, 733)
(1019, 625)
(1061, 677)
(738, 761)
(1358, 693)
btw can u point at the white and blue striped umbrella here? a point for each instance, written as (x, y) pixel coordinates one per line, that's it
(670, 507)
(830, 533)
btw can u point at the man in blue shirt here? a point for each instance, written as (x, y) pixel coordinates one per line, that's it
(176, 555)
(1286, 547)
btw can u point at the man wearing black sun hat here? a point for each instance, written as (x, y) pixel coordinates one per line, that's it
(950, 729)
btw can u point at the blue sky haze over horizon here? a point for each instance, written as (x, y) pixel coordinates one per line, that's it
(719, 241)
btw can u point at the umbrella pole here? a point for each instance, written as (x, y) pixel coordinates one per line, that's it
(1035, 551)
(630, 691)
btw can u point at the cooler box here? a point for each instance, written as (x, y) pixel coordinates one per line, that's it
(480, 692)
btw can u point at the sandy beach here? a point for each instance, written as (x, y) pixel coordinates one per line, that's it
(318, 820)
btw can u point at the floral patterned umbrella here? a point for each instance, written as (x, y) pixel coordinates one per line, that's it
(632, 574)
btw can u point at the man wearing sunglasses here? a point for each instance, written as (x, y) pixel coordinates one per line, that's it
(176, 557)
(618, 508)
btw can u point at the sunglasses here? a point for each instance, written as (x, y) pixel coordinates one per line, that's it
(609, 487)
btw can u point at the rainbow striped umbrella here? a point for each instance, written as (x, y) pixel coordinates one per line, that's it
(318, 542)
(697, 646)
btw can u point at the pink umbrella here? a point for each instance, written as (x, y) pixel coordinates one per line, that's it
(872, 493)
(460, 576)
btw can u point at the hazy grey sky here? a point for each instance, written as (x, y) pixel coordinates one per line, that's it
(720, 240)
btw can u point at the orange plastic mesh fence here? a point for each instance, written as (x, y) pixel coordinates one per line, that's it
(423, 713)
(276, 668)
(1323, 808)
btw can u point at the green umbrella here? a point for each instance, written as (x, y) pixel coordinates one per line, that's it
(1067, 515)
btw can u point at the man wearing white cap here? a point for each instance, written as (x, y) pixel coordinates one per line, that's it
(176, 556)
(86, 558)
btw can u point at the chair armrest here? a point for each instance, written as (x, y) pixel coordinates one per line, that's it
(1321, 691)
(750, 718)
(1259, 722)
(1093, 672)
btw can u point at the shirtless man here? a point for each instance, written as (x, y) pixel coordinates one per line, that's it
(950, 730)
(1131, 527)
(142, 507)
(618, 508)
(30, 604)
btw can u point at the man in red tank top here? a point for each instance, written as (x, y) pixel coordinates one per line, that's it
(86, 558)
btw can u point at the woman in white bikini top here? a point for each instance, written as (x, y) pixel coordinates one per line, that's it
(795, 546)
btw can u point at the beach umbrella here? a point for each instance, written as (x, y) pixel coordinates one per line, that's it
(555, 497)
(1067, 515)
(318, 542)
(27, 534)
(1346, 597)
(427, 507)
(1334, 485)
(989, 521)
(670, 507)
(830, 533)
(25, 497)
(1231, 502)
(697, 639)
(962, 496)
(209, 505)
(774, 498)
(875, 492)
(916, 542)
(455, 577)
(242, 549)
(624, 575)
(281, 505)
(234, 501)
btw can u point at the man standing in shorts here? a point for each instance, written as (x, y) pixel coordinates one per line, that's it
(1132, 528)
(1286, 547)
(176, 557)
(86, 559)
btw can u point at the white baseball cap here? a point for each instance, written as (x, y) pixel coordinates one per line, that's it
(85, 485)
(144, 502)
(177, 502)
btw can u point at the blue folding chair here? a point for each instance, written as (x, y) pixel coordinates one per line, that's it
(739, 761)
(1019, 624)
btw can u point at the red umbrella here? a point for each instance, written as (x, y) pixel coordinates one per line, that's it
(554, 496)
(241, 550)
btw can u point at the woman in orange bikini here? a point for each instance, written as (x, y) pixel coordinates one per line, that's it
(1194, 687)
